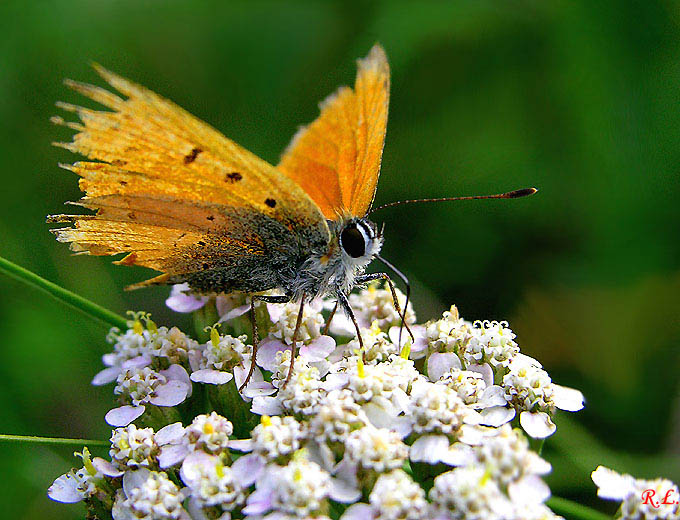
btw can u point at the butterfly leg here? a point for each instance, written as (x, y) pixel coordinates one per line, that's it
(330, 318)
(344, 303)
(384, 276)
(253, 322)
(298, 324)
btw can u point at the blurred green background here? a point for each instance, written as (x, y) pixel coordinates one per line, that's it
(579, 99)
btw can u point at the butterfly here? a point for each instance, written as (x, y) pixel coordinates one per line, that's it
(179, 197)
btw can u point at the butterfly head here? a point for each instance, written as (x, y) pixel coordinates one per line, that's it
(360, 241)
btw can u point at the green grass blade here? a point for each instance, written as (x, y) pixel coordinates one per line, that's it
(572, 510)
(84, 305)
(31, 439)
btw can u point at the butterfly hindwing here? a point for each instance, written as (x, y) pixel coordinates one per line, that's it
(336, 159)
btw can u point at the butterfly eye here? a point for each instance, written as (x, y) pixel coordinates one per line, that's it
(353, 241)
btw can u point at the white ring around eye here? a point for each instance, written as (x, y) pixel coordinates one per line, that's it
(366, 233)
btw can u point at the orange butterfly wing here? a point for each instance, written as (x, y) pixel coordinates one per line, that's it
(336, 159)
(169, 189)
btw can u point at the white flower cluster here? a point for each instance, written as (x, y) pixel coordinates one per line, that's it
(483, 363)
(342, 436)
(640, 499)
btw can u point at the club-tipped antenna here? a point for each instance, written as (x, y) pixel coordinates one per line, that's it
(515, 194)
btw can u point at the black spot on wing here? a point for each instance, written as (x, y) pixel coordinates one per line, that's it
(191, 156)
(233, 177)
(270, 202)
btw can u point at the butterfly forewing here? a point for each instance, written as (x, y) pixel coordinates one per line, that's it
(174, 192)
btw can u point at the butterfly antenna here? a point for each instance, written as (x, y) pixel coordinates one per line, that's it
(404, 279)
(515, 194)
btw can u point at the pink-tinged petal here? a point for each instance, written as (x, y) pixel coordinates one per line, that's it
(65, 490)
(195, 510)
(170, 394)
(266, 352)
(194, 465)
(335, 381)
(172, 454)
(343, 492)
(419, 342)
(196, 358)
(247, 469)
(612, 485)
(321, 454)
(170, 433)
(275, 311)
(493, 395)
(346, 470)
(240, 374)
(263, 405)
(318, 349)
(338, 354)
(485, 371)
(134, 479)
(243, 445)
(180, 301)
(255, 383)
(497, 416)
(317, 305)
(429, 449)
(344, 483)
(440, 363)
(256, 388)
(176, 373)
(227, 313)
(123, 415)
(110, 359)
(530, 489)
(259, 501)
(108, 375)
(258, 504)
(137, 362)
(568, 399)
(106, 467)
(358, 512)
(538, 425)
(211, 377)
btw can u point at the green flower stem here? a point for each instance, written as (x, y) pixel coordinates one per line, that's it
(30, 439)
(89, 308)
(575, 511)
